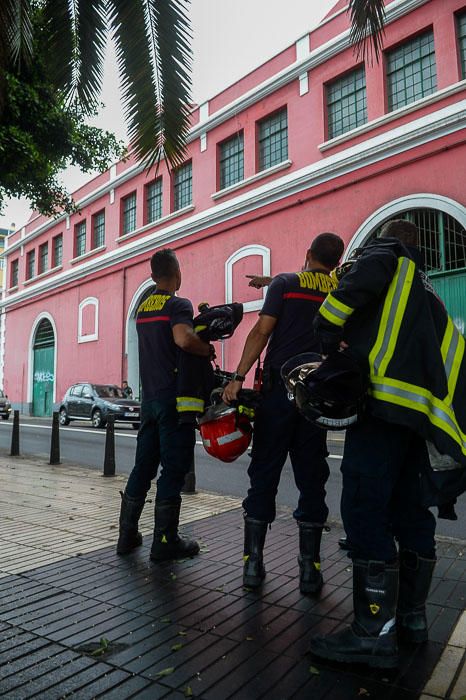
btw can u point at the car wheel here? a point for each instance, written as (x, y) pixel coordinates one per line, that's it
(97, 419)
(63, 417)
(136, 426)
(6, 417)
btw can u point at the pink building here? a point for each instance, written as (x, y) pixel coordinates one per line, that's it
(313, 140)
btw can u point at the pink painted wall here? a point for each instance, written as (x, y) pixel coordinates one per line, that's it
(286, 227)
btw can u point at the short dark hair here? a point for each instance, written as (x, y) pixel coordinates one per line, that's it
(164, 263)
(327, 248)
(405, 231)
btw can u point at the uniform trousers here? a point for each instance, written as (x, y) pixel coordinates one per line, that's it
(381, 498)
(161, 442)
(280, 430)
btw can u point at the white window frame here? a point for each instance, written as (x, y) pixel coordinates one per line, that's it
(246, 252)
(89, 337)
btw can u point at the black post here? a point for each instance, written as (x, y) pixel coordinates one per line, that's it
(15, 435)
(189, 485)
(55, 440)
(109, 457)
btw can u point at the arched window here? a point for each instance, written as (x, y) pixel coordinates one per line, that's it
(88, 320)
(249, 251)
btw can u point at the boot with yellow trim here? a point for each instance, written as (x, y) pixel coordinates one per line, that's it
(371, 638)
(254, 540)
(167, 543)
(310, 575)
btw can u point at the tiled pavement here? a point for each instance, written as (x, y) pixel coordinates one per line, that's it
(188, 629)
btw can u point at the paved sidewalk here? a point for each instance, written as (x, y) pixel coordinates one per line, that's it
(78, 621)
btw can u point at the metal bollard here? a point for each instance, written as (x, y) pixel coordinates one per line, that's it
(109, 457)
(55, 440)
(15, 435)
(189, 485)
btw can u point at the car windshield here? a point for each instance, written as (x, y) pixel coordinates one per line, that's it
(106, 391)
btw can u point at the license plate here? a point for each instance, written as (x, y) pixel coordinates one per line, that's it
(131, 415)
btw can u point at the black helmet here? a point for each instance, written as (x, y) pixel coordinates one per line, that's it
(330, 392)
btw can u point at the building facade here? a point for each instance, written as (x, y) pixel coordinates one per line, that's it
(313, 140)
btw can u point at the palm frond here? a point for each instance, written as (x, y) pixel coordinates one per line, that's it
(91, 41)
(136, 66)
(21, 39)
(367, 26)
(171, 46)
(60, 43)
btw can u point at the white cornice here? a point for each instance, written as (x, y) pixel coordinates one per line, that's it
(401, 139)
(323, 53)
(396, 9)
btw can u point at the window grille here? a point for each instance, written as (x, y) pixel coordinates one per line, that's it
(154, 200)
(411, 71)
(80, 239)
(273, 139)
(346, 103)
(58, 250)
(43, 257)
(183, 186)
(462, 42)
(98, 229)
(129, 213)
(231, 154)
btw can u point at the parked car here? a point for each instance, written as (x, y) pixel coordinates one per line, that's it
(96, 402)
(5, 406)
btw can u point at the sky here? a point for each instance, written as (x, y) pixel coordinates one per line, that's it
(230, 38)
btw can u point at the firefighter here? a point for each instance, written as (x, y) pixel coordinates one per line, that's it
(164, 325)
(397, 328)
(279, 429)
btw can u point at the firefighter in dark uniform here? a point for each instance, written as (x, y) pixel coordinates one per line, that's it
(284, 327)
(397, 328)
(164, 325)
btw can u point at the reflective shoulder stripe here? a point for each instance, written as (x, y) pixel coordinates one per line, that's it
(335, 311)
(392, 316)
(189, 403)
(438, 412)
(452, 356)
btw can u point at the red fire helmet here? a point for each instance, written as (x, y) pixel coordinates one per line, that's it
(226, 433)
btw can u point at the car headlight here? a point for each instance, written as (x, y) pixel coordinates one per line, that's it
(114, 407)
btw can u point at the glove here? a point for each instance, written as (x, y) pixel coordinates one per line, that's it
(329, 342)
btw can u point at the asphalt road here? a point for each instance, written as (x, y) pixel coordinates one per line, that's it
(81, 444)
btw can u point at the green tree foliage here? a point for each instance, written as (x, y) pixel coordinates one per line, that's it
(39, 137)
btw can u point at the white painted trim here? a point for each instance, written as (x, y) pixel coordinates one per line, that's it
(303, 84)
(396, 114)
(131, 341)
(157, 222)
(395, 10)
(134, 302)
(413, 201)
(302, 47)
(203, 142)
(253, 178)
(50, 271)
(246, 252)
(89, 337)
(398, 140)
(38, 319)
(88, 254)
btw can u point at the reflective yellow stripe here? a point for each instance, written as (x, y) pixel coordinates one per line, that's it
(198, 329)
(452, 355)
(335, 311)
(438, 412)
(189, 403)
(392, 316)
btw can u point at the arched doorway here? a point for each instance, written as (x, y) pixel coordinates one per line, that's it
(132, 355)
(43, 372)
(442, 227)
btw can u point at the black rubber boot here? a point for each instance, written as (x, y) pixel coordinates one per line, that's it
(415, 579)
(167, 543)
(371, 638)
(310, 576)
(130, 512)
(254, 540)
